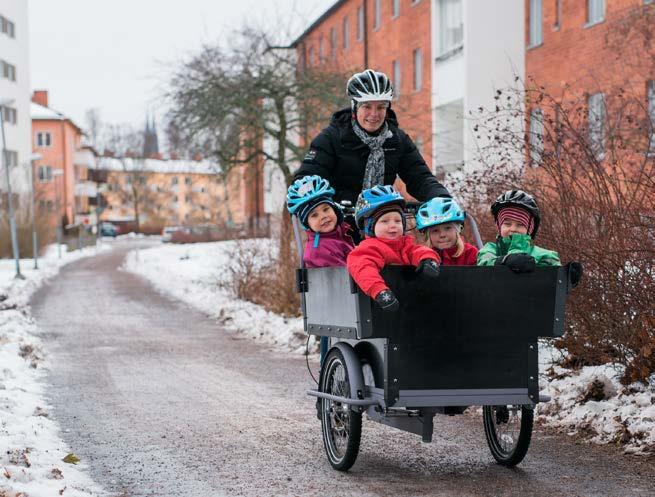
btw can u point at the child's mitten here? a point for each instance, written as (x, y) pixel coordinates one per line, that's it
(519, 263)
(387, 301)
(428, 268)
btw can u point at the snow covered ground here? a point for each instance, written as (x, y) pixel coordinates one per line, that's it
(31, 450)
(590, 402)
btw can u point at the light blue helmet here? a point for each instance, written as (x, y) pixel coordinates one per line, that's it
(437, 211)
(308, 192)
(374, 201)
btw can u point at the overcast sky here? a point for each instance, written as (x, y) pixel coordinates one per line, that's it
(115, 54)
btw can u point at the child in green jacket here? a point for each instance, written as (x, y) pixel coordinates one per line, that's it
(517, 218)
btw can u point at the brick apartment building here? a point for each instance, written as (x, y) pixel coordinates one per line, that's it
(60, 174)
(390, 36)
(590, 50)
(447, 58)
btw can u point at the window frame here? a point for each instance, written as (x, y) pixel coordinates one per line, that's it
(417, 62)
(333, 43)
(47, 177)
(596, 116)
(360, 23)
(46, 142)
(345, 34)
(395, 9)
(444, 50)
(592, 6)
(396, 74)
(377, 14)
(536, 136)
(536, 24)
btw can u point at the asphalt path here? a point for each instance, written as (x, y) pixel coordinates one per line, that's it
(158, 400)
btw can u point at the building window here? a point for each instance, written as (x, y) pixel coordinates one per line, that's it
(558, 15)
(9, 114)
(128, 180)
(174, 180)
(651, 113)
(187, 181)
(418, 69)
(536, 137)
(11, 158)
(312, 57)
(377, 15)
(8, 71)
(648, 2)
(595, 11)
(596, 117)
(45, 174)
(333, 43)
(395, 8)
(346, 33)
(414, 2)
(451, 23)
(360, 23)
(142, 180)
(536, 21)
(321, 51)
(7, 27)
(187, 199)
(395, 74)
(43, 139)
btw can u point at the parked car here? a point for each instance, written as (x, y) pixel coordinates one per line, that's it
(167, 232)
(108, 229)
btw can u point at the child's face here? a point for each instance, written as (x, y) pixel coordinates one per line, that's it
(389, 226)
(444, 236)
(511, 227)
(322, 219)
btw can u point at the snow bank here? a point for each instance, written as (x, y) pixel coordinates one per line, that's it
(31, 450)
(590, 402)
(197, 273)
(593, 403)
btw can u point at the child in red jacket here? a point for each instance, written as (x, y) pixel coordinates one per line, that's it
(441, 221)
(380, 214)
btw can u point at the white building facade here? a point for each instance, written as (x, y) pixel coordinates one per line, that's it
(15, 93)
(478, 48)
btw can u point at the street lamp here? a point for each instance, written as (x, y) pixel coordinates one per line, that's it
(12, 219)
(55, 173)
(35, 243)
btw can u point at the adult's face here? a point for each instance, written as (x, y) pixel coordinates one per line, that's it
(371, 115)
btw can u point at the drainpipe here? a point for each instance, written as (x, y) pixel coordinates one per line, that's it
(365, 34)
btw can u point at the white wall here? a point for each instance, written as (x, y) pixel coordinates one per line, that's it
(494, 53)
(16, 52)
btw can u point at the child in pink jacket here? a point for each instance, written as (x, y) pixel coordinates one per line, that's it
(328, 243)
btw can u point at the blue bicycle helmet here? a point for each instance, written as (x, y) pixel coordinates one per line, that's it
(439, 210)
(371, 201)
(308, 192)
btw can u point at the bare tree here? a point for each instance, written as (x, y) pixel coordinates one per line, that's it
(94, 125)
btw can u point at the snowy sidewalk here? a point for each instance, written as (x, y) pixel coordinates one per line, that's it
(31, 458)
(589, 402)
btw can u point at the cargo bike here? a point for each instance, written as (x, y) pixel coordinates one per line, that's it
(470, 338)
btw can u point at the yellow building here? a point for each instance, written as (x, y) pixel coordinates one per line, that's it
(148, 194)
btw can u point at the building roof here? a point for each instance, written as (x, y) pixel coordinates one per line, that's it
(40, 113)
(318, 21)
(158, 166)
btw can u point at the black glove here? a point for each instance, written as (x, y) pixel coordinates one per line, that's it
(428, 268)
(575, 273)
(387, 301)
(519, 263)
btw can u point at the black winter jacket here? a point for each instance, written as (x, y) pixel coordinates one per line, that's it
(338, 155)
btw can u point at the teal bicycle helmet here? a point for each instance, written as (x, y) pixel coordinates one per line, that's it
(372, 201)
(439, 210)
(308, 192)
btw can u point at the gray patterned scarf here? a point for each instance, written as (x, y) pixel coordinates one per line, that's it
(374, 174)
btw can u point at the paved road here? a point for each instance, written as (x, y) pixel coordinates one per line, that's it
(160, 401)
